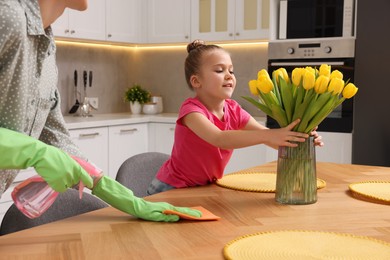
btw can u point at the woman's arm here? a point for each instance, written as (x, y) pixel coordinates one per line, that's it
(51, 10)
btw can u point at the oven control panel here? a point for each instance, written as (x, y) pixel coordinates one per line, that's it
(312, 49)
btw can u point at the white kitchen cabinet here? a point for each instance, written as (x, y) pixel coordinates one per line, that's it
(6, 199)
(61, 25)
(89, 24)
(212, 19)
(93, 143)
(337, 148)
(124, 142)
(123, 21)
(252, 19)
(245, 158)
(161, 137)
(271, 154)
(219, 20)
(168, 21)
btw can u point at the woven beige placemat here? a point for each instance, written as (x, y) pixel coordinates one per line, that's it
(376, 191)
(254, 181)
(305, 245)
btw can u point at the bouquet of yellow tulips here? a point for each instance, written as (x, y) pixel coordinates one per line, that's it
(310, 94)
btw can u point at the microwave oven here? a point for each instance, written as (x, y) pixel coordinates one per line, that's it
(301, 19)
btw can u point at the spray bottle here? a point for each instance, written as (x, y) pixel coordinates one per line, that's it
(34, 196)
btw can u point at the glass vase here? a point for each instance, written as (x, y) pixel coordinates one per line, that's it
(296, 178)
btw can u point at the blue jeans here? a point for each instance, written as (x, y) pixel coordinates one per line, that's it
(157, 186)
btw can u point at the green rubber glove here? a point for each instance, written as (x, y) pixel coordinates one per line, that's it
(123, 199)
(57, 168)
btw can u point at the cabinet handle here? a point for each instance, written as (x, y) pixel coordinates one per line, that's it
(72, 31)
(172, 129)
(238, 34)
(230, 34)
(89, 135)
(109, 35)
(67, 31)
(128, 130)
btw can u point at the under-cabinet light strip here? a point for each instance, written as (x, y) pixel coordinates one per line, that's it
(145, 46)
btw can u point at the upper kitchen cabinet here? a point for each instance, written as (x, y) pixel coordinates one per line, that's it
(226, 20)
(123, 20)
(252, 20)
(168, 21)
(89, 24)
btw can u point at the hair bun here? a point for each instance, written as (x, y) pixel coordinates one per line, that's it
(194, 45)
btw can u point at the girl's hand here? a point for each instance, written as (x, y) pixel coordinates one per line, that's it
(317, 138)
(285, 136)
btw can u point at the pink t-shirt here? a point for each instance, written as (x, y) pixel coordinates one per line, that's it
(194, 161)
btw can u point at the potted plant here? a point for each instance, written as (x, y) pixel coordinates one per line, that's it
(137, 96)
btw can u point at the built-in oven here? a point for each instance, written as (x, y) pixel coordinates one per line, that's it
(339, 53)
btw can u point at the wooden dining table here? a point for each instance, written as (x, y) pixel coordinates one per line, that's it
(110, 234)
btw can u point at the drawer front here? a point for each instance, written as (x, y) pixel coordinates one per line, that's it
(6, 201)
(93, 143)
(164, 136)
(126, 141)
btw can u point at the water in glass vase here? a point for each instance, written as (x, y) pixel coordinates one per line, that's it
(296, 179)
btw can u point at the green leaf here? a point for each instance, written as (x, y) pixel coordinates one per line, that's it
(322, 114)
(279, 115)
(269, 99)
(287, 98)
(276, 91)
(313, 108)
(259, 105)
(301, 108)
(338, 102)
(299, 93)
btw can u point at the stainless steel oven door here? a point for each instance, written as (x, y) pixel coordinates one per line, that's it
(341, 119)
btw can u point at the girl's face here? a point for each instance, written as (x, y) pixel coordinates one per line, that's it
(216, 78)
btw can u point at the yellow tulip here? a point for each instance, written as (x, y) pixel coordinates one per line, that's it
(265, 84)
(349, 90)
(336, 85)
(262, 72)
(325, 70)
(253, 87)
(285, 74)
(310, 69)
(297, 75)
(312, 95)
(336, 74)
(308, 79)
(321, 84)
(276, 74)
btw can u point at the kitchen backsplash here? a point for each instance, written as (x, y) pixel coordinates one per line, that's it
(159, 70)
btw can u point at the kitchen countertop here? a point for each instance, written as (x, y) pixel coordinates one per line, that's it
(101, 120)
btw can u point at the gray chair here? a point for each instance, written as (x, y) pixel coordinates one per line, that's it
(67, 204)
(138, 171)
